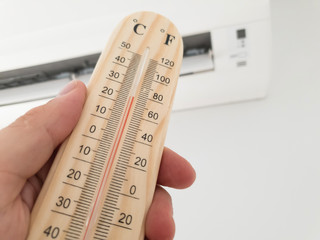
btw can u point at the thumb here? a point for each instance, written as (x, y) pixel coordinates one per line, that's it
(28, 143)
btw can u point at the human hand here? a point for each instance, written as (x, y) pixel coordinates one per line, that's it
(26, 149)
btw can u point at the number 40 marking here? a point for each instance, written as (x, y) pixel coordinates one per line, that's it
(52, 232)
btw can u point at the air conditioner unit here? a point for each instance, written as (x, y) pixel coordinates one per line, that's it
(226, 47)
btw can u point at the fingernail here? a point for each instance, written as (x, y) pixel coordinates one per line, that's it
(68, 88)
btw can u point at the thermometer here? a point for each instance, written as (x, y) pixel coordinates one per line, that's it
(102, 181)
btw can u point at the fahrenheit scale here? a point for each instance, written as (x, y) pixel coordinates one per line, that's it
(103, 178)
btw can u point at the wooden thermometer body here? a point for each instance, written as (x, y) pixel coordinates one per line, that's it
(103, 178)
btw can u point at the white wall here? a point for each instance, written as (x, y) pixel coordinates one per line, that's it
(258, 163)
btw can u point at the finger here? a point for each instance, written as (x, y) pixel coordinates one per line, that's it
(159, 222)
(27, 143)
(175, 171)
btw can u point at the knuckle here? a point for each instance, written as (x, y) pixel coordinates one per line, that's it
(30, 124)
(30, 119)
